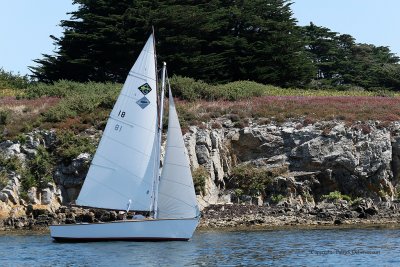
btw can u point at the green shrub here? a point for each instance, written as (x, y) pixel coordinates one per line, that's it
(28, 181)
(12, 163)
(59, 113)
(15, 81)
(64, 88)
(4, 116)
(69, 145)
(276, 198)
(199, 180)
(236, 90)
(77, 98)
(253, 180)
(22, 138)
(356, 201)
(336, 195)
(186, 117)
(40, 169)
(188, 88)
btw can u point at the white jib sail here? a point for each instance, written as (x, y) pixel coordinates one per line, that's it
(176, 195)
(123, 168)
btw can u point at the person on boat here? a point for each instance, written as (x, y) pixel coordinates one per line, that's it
(138, 217)
(121, 215)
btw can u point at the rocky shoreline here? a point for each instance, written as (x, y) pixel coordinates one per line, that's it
(286, 215)
(234, 216)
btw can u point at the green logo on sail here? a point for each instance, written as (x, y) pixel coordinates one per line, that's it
(145, 88)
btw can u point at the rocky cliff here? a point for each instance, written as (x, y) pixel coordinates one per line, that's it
(361, 160)
(297, 163)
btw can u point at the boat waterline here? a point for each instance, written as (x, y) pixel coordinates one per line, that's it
(132, 230)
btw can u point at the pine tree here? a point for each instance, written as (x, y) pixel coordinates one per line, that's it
(216, 41)
(99, 42)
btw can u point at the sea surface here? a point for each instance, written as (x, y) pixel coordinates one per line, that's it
(289, 247)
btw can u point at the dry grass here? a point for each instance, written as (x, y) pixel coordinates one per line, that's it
(23, 114)
(311, 108)
(22, 105)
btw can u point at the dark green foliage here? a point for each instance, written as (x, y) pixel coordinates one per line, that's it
(9, 164)
(336, 195)
(340, 61)
(276, 198)
(12, 163)
(4, 116)
(69, 146)
(99, 42)
(77, 98)
(251, 179)
(39, 170)
(188, 88)
(216, 41)
(64, 88)
(199, 180)
(192, 90)
(237, 90)
(222, 41)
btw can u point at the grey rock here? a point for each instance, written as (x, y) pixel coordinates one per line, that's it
(3, 197)
(12, 195)
(202, 153)
(32, 196)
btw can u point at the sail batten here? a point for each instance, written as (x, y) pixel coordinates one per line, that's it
(138, 75)
(136, 99)
(178, 182)
(131, 124)
(132, 148)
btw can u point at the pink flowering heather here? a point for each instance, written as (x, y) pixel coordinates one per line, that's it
(346, 108)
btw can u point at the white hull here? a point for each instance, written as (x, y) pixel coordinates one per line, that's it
(134, 230)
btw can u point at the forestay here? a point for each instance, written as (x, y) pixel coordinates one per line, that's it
(123, 168)
(176, 195)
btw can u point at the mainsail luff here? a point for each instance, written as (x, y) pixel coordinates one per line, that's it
(122, 170)
(160, 126)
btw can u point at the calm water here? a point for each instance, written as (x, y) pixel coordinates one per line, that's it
(322, 247)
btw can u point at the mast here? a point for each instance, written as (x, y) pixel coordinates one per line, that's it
(160, 126)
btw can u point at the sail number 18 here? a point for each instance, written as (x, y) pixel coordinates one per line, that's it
(121, 114)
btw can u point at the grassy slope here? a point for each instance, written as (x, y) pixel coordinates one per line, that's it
(77, 106)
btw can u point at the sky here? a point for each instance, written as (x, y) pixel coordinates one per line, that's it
(368, 21)
(25, 25)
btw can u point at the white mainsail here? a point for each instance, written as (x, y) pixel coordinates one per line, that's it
(176, 195)
(123, 169)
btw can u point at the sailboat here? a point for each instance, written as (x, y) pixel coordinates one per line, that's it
(125, 174)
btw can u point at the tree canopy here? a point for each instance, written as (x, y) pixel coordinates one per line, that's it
(340, 61)
(215, 41)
